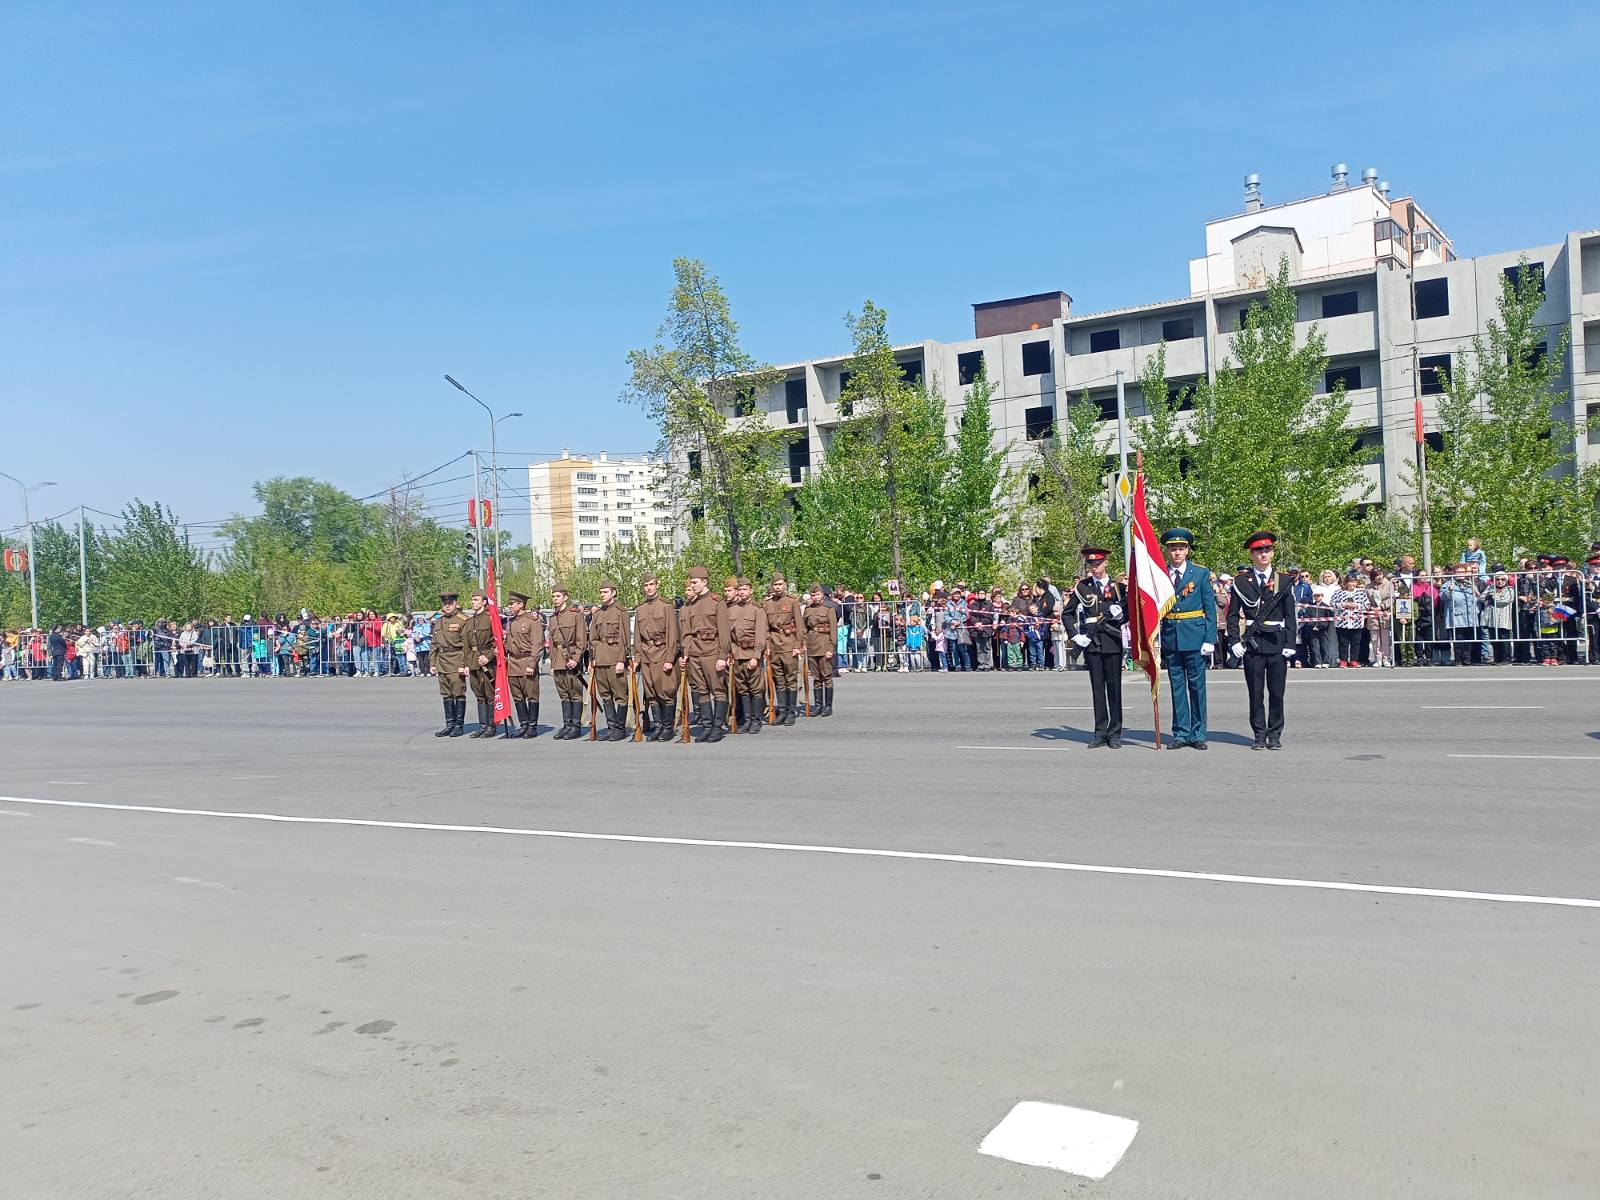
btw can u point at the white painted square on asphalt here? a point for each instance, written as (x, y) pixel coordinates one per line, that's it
(1074, 1140)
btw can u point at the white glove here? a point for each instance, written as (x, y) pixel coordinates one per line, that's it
(1237, 649)
(1206, 647)
(1288, 653)
(1115, 612)
(1080, 639)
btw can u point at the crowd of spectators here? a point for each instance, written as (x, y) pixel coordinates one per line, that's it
(1470, 612)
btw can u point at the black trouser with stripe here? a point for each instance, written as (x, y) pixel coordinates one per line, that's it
(1264, 676)
(1105, 682)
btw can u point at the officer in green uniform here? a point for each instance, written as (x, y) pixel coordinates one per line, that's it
(1188, 636)
(450, 660)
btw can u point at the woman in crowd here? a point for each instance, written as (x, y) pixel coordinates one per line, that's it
(1380, 635)
(1500, 614)
(1350, 603)
(1458, 601)
(1322, 592)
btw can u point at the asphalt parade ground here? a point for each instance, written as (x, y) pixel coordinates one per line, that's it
(827, 961)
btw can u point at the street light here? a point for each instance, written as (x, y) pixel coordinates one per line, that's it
(494, 463)
(27, 519)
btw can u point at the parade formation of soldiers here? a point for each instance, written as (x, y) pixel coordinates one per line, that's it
(694, 671)
(716, 663)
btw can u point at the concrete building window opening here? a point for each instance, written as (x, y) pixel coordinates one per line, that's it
(1593, 412)
(969, 364)
(1435, 369)
(1101, 340)
(1181, 397)
(1178, 329)
(1535, 269)
(1340, 304)
(1038, 422)
(1036, 358)
(1432, 298)
(1534, 357)
(1349, 377)
(794, 400)
(911, 370)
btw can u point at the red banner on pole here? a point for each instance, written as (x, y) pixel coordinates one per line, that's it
(472, 514)
(1416, 418)
(502, 684)
(486, 513)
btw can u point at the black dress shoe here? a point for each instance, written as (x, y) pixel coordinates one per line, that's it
(1274, 744)
(1258, 744)
(1096, 744)
(1178, 745)
(1114, 743)
(1198, 746)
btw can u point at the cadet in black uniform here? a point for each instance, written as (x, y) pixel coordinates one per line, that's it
(1261, 628)
(1097, 607)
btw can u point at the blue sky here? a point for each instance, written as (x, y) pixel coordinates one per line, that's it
(243, 241)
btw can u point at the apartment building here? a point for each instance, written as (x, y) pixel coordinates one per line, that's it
(580, 505)
(1375, 273)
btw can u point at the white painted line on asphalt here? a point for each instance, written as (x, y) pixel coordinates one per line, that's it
(1002, 747)
(1329, 885)
(202, 883)
(1483, 707)
(1558, 757)
(1075, 1140)
(95, 842)
(11, 812)
(68, 782)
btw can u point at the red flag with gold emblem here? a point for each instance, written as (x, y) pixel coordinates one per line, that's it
(502, 685)
(1150, 592)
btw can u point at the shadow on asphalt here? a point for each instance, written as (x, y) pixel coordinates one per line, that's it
(1144, 737)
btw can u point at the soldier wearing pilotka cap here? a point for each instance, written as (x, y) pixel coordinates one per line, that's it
(1262, 632)
(655, 651)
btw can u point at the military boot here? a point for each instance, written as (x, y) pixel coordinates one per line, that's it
(719, 721)
(482, 724)
(756, 705)
(666, 728)
(530, 723)
(788, 706)
(565, 732)
(827, 705)
(449, 718)
(706, 725)
(458, 716)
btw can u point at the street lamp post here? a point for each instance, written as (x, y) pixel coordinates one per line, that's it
(494, 467)
(27, 519)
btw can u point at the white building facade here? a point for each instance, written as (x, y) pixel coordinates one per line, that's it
(580, 505)
(1376, 275)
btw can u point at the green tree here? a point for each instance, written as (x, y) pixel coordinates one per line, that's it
(1507, 473)
(976, 504)
(1267, 448)
(1071, 504)
(694, 382)
(896, 421)
(151, 568)
(840, 532)
(1174, 493)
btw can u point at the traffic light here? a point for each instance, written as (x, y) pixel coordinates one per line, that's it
(470, 536)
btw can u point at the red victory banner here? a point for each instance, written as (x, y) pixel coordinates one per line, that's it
(502, 686)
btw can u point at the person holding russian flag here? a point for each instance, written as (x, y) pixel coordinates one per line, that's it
(1188, 636)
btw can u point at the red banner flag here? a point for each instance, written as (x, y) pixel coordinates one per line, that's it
(1150, 592)
(502, 685)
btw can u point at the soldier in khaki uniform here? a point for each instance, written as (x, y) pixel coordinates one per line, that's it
(609, 645)
(703, 623)
(783, 648)
(569, 641)
(655, 653)
(821, 626)
(478, 639)
(524, 648)
(449, 656)
(747, 629)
